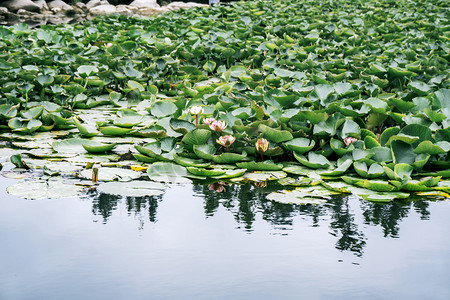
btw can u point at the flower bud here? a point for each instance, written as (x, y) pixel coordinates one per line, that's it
(262, 145)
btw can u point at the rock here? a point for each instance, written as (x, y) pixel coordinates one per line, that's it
(81, 6)
(15, 5)
(144, 3)
(42, 4)
(59, 5)
(149, 11)
(25, 13)
(178, 5)
(103, 9)
(94, 3)
(124, 10)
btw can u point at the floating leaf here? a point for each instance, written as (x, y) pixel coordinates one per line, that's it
(314, 161)
(134, 188)
(112, 174)
(299, 145)
(44, 189)
(266, 165)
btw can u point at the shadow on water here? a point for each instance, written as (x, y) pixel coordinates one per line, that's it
(346, 216)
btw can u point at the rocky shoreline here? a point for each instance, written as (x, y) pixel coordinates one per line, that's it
(41, 12)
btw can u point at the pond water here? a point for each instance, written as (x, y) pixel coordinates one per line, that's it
(196, 243)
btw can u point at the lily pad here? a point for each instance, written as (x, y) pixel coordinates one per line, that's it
(266, 165)
(111, 174)
(44, 189)
(300, 145)
(134, 188)
(314, 161)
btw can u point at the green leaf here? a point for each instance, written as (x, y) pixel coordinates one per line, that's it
(299, 145)
(314, 161)
(163, 108)
(167, 172)
(274, 135)
(98, 148)
(266, 165)
(196, 137)
(205, 151)
(229, 158)
(428, 147)
(181, 126)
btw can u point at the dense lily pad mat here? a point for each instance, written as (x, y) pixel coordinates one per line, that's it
(331, 90)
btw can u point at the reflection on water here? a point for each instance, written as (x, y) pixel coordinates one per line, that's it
(347, 217)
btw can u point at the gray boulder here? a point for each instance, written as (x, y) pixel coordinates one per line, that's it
(15, 5)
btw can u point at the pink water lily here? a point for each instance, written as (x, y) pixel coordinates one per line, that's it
(208, 121)
(349, 140)
(226, 141)
(218, 126)
(107, 45)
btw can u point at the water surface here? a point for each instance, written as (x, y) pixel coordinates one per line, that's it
(194, 243)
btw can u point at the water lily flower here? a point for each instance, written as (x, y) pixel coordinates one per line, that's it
(108, 45)
(349, 140)
(218, 126)
(208, 121)
(196, 110)
(226, 141)
(262, 145)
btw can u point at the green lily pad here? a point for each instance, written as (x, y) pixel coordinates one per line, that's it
(231, 174)
(341, 169)
(72, 145)
(189, 162)
(427, 147)
(205, 172)
(374, 171)
(167, 172)
(266, 165)
(98, 148)
(114, 131)
(274, 135)
(181, 126)
(314, 161)
(300, 145)
(205, 151)
(229, 158)
(196, 137)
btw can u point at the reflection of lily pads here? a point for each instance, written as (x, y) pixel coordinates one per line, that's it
(302, 195)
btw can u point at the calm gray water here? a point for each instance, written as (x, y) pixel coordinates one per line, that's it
(193, 243)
